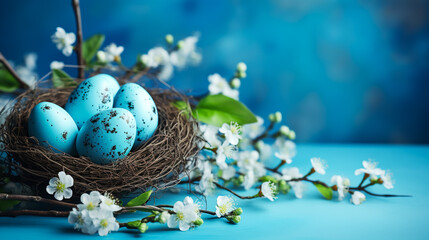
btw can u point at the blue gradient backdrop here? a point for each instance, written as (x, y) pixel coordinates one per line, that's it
(340, 71)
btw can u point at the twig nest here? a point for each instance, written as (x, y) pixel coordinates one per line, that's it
(158, 163)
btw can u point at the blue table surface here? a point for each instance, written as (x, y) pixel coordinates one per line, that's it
(289, 218)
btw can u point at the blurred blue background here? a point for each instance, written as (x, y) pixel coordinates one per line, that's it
(340, 71)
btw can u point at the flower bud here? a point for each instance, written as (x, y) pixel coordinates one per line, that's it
(169, 38)
(284, 130)
(143, 227)
(180, 44)
(240, 75)
(275, 117)
(283, 187)
(235, 83)
(292, 135)
(238, 211)
(234, 219)
(198, 222)
(163, 217)
(278, 116)
(241, 67)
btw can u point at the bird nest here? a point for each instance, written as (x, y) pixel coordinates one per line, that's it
(158, 164)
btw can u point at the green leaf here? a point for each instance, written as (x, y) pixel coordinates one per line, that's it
(90, 46)
(219, 109)
(7, 204)
(140, 200)
(134, 224)
(324, 190)
(7, 82)
(61, 79)
(181, 105)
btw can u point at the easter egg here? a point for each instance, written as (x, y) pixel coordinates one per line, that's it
(53, 126)
(138, 101)
(107, 136)
(90, 97)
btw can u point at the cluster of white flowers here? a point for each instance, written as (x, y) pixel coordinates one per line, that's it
(370, 168)
(95, 214)
(183, 55)
(186, 215)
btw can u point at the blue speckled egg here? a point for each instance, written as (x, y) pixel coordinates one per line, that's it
(137, 100)
(52, 125)
(107, 136)
(92, 96)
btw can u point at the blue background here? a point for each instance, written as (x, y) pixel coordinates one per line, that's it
(340, 71)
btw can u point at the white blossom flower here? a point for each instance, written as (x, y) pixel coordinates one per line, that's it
(269, 190)
(187, 53)
(249, 180)
(105, 222)
(189, 202)
(357, 198)
(265, 150)
(184, 216)
(342, 184)
(370, 168)
(81, 221)
(387, 180)
(224, 205)
(60, 186)
(210, 135)
(253, 130)
(56, 65)
(232, 132)
(113, 53)
(246, 160)
(64, 41)
(90, 202)
(156, 57)
(297, 186)
(219, 85)
(318, 165)
(228, 173)
(108, 203)
(163, 217)
(223, 152)
(101, 56)
(286, 149)
(206, 185)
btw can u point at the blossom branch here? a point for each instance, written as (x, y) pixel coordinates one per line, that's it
(78, 47)
(7, 65)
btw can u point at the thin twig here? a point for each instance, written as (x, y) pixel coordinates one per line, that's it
(7, 65)
(78, 47)
(5, 196)
(234, 193)
(26, 212)
(384, 195)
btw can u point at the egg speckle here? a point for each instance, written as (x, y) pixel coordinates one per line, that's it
(53, 126)
(92, 96)
(107, 136)
(138, 101)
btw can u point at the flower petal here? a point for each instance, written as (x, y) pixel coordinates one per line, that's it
(50, 189)
(68, 193)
